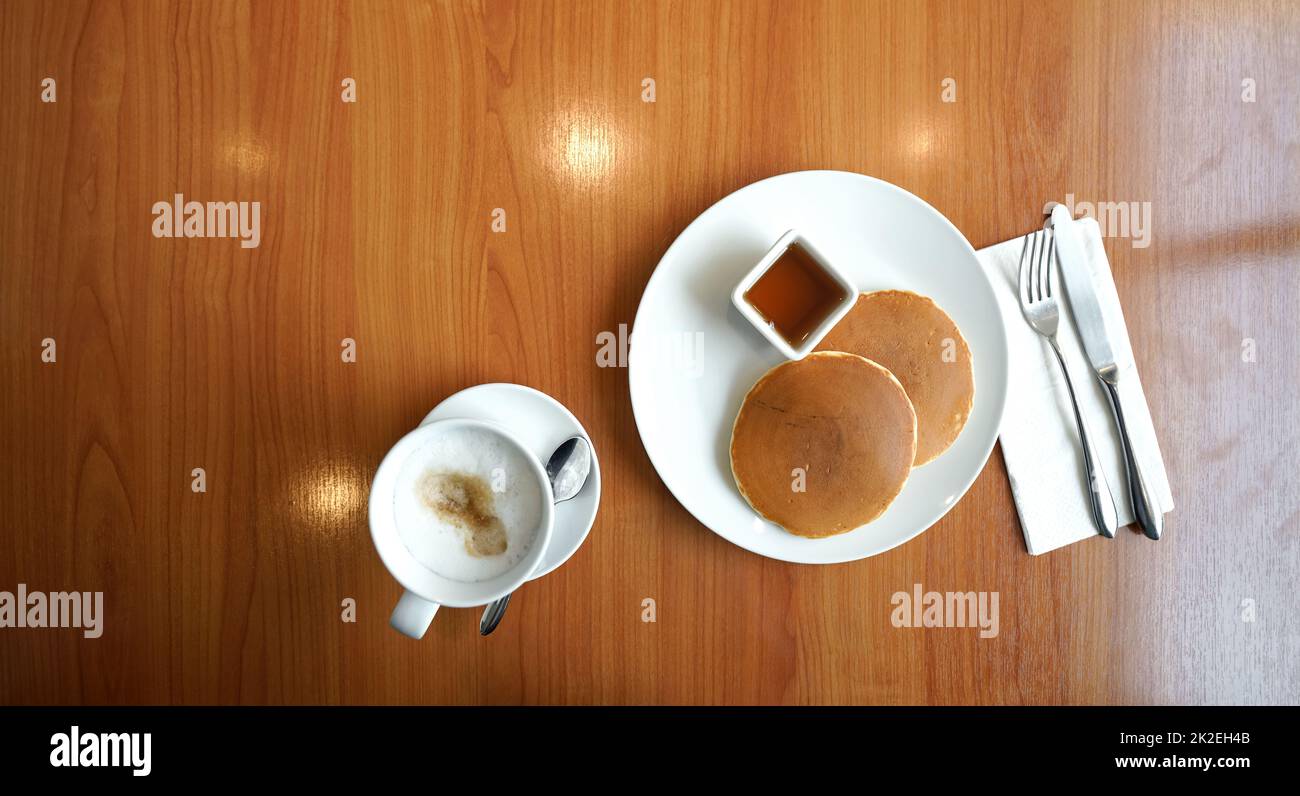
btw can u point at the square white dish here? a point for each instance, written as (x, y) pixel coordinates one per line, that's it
(750, 313)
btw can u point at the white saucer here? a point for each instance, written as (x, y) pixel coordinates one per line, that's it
(541, 423)
(693, 357)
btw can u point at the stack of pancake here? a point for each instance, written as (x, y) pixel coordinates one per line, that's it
(824, 444)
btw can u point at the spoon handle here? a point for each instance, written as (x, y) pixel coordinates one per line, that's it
(492, 615)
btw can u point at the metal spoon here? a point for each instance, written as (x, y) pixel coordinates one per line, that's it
(568, 469)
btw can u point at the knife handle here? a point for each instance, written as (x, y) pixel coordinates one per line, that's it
(1099, 498)
(1145, 508)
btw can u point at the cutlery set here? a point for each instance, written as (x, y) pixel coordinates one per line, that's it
(1059, 244)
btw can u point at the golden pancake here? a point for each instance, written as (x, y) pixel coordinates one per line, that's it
(823, 445)
(924, 349)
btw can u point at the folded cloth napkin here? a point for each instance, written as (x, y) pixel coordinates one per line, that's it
(1040, 442)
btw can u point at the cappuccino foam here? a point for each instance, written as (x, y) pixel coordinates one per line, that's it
(467, 505)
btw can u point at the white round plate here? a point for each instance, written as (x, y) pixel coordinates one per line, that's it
(541, 423)
(693, 357)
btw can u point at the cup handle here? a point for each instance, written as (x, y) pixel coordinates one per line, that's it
(412, 615)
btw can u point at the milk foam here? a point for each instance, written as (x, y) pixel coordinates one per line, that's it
(517, 499)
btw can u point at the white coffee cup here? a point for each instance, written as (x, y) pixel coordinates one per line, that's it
(426, 590)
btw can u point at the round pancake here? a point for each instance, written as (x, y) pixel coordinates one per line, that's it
(924, 349)
(823, 445)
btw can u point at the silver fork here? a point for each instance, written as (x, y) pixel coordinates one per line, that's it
(1039, 306)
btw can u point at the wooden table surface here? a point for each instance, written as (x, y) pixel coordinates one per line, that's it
(175, 354)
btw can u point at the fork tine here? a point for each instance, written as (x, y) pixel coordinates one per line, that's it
(1051, 258)
(1033, 268)
(1042, 268)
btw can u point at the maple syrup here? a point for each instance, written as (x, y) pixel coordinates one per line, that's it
(795, 294)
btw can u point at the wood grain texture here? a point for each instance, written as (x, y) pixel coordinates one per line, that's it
(176, 354)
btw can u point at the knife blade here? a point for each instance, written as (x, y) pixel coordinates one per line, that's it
(1081, 290)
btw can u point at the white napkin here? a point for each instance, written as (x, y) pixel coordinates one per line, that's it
(1040, 442)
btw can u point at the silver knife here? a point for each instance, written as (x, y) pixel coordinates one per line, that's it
(1090, 322)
